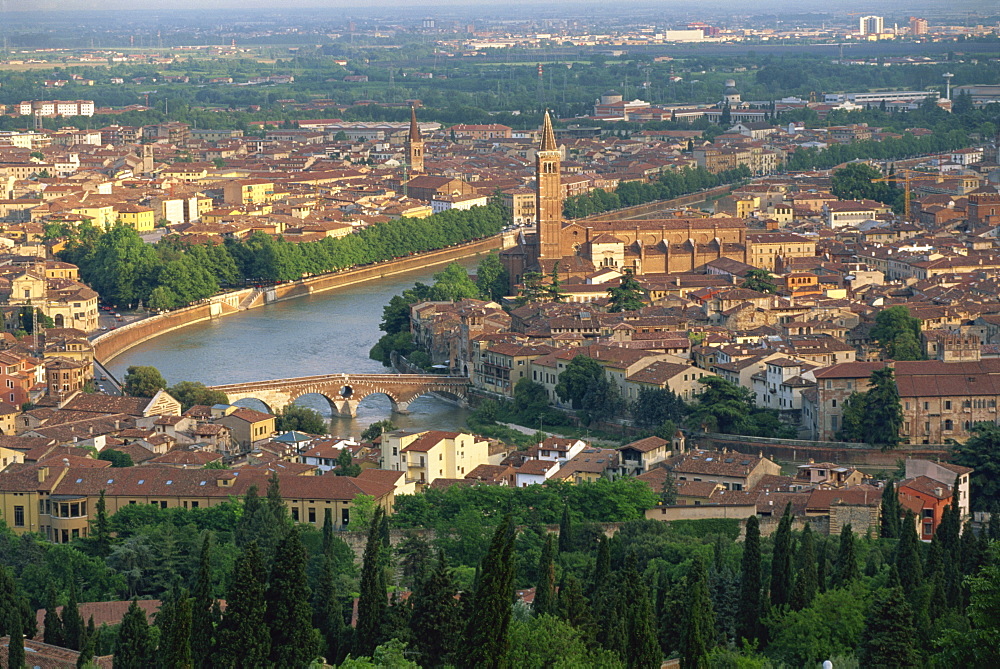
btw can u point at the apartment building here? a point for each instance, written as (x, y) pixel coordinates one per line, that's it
(426, 455)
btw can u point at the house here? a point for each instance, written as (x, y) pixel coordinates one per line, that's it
(532, 472)
(641, 456)
(589, 465)
(928, 488)
(248, 427)
(735, 471)
(429, 454)
(324, 455)
(557, 449)
(57, 500)
(828, 475)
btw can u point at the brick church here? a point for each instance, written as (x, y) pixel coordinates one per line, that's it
(646, 246)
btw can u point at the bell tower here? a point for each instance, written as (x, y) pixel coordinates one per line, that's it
(414, 145)
(548, 197)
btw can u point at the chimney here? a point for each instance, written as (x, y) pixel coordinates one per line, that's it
(43, 473)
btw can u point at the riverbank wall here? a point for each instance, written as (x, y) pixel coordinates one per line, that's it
(111, 344)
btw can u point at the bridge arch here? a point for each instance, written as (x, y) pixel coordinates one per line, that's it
(327, 402)
(256, 404)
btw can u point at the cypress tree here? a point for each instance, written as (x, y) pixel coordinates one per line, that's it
(602, 567)
(373, 595)
(203, 620)
(806, 580)
(565, 531)
(545, 590)
(175, 649)
(72, 621)
(133, 647)
(289, 615)
(436, 622)
(101, 531)
(328, 532)
(639, 625)
(328, 613)
(89, 643)
(574, 608)
(244, 640)
(275, 503)
(890, 636)
(698, 635)
(15, 648)
(781, 560)
(54, 635)
(486, 634)
(907, 559)
(821, 565)
(748, 625)
(845, 570)
(890, 511)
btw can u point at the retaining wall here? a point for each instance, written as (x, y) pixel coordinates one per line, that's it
(790, 450)
(116, 342)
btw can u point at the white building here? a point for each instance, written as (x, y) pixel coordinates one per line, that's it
(871, 25)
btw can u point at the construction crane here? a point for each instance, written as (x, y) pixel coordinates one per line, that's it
(906, 179)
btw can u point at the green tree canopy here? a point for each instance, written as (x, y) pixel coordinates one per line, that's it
(190, 393)
(143, 381)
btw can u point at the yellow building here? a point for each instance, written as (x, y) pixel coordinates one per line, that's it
(246, 191)
(426, 455)
(58, 501)
(767, 247)
(139, 218)
(101, 215)
(10, 456)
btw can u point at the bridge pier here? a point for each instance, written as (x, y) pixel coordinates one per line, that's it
(345, 408)
(401, 408)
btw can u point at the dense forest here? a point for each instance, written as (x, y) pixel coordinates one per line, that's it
(715, 593)
(120, 266)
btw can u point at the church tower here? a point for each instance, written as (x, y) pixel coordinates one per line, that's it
(414, 145)
(548, 197)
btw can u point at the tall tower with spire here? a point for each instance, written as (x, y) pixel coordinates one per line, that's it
(415, 145)
(548, 197)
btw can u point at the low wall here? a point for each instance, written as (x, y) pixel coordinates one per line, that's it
(790, 450)
(116, 342)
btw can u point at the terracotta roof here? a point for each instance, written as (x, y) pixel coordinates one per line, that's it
(646, 445)
(428, 440)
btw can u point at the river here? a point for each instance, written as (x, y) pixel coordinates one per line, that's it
(320, 334)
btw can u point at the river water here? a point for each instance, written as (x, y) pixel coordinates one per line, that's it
(320, 334)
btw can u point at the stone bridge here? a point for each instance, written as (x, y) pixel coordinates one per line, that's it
(345, 391)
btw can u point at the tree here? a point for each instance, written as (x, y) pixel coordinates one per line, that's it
(545, 590)
(890, 634)
(175, 640)
(781, 560)
(723, 406)
(100, 531)
(655, 406)
(845, 569)
(639, 640)
(891, 509)
(116, 458)
(373, 596)
(806, 580)
(190, 393)
(580, 375)
(436, 622)
(492, 278)
(346, 465)
(302, 419)
(698, 635)
(907, 559)
(627, 295)
(751, 586)
(328, 612)
(377, 429)
(978, 646)
(203, 620)
(832, 625)
(289, 615)
(54, 635)
(486, 634)
(143, 381)
(133, 647)
(891, 323)
(883, 409)
(15, 647)
(245, 639)
(72, 621)
(565, 531)
(545, 641)
(760, 280)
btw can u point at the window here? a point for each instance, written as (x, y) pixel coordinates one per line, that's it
(163, 504)
(18, 516)
(345, 516)
(194, 505)
(927, 406)
(295, 514)
(833, 403)
(312, 515)
(947, 405)
(948, 425)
